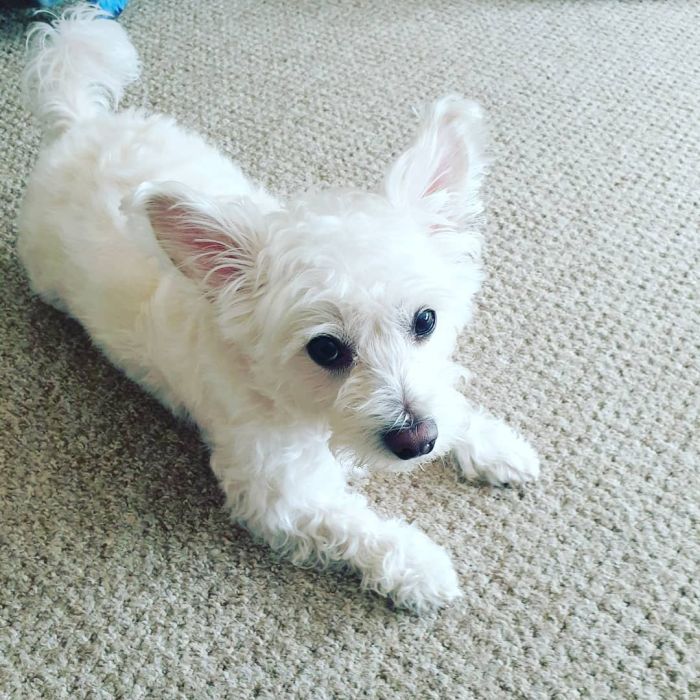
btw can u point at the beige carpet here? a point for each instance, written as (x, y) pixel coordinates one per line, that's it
(120, 576)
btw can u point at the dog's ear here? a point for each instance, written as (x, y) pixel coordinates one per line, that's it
(212, 241)
(441, 173)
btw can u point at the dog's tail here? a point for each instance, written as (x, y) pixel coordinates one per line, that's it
(78, 65)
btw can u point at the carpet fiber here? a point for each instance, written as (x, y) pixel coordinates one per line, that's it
(120, 575)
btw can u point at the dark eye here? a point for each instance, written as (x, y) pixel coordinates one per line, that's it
(329, 352)
(424, 323)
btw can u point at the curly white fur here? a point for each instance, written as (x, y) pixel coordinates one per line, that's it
(205, 289)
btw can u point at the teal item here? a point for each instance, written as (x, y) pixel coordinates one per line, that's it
(111, 7)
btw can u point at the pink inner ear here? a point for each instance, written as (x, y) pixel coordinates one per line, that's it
(201, 244)
(195, 249)
(451, 166)
(439, 182)
(443, 170)
(205, 252)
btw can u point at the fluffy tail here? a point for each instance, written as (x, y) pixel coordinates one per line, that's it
(78, 66)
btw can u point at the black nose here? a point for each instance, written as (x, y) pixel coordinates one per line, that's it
(414, 441)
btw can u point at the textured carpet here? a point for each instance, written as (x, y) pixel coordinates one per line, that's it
(120, 575)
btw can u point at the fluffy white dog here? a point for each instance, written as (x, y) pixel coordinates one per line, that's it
(301, 336)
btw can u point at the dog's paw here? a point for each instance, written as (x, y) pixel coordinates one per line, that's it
(497, 454)
(414, 572)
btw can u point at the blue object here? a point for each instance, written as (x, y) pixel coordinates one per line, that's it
(114, 7)
(111, 7)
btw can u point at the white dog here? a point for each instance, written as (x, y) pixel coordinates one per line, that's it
(301, 336)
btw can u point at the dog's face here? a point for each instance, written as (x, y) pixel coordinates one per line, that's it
(348, 305)
(358, 321)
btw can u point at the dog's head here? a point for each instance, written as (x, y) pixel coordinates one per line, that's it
(348, 304)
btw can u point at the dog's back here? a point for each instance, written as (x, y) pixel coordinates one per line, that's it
(86, 250)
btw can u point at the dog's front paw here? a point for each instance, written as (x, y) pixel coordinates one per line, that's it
(494, 452)
(413, 571)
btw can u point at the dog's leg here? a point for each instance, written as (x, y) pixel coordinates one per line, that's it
(293, 494)
(489, 450)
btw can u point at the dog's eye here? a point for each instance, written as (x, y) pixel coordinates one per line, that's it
(329, 352)
(424, 323)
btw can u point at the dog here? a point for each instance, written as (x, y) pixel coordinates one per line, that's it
(305, 338)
